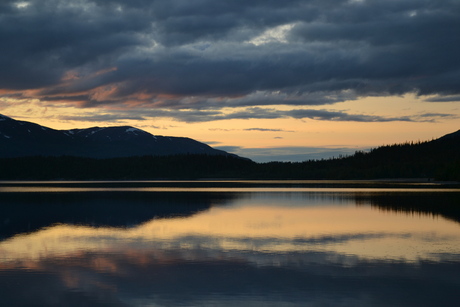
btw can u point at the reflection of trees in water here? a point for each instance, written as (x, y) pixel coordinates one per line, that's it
(446, 204)
(26, 212)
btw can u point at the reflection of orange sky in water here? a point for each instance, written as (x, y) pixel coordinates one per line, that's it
(403, 236)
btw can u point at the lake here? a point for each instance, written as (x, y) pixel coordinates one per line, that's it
(227, 243)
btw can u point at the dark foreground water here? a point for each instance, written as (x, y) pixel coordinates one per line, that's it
(228, 244)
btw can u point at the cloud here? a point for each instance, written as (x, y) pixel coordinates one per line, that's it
(267, 130)
(290, 154)
(207, 115)
(265, 113)
(101, 117)
(221, 130)
(444, 99)
(438, 115)
(213, 54)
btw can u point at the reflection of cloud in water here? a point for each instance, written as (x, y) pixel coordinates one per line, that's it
(359, 231)
(167, 278)
(251, 255)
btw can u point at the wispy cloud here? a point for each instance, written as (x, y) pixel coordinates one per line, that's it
(267, 130)
(444, 99)
(195, 116)
(101, 117)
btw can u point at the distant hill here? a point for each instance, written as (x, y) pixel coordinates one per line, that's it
(21, 139)
(454, 135)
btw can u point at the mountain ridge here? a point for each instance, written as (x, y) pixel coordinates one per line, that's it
(22, 138)
(438, 159)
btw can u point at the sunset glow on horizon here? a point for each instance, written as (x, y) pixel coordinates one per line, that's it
(286, 81)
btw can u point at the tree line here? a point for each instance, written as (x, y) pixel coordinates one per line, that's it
(438, 159)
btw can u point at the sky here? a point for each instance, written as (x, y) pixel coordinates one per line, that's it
(287, 80)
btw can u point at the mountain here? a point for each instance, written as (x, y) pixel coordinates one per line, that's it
(21, 139)
(31, 152)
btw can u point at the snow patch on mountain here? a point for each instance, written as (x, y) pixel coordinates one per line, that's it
(132, 130)
(94, 131)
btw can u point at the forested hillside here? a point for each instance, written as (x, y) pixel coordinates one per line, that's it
(438, 159)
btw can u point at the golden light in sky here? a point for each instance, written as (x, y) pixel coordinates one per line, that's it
(288, 81)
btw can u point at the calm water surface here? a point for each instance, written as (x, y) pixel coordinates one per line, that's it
(264, 243)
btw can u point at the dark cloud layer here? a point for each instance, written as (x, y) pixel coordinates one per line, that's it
(181, 54)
